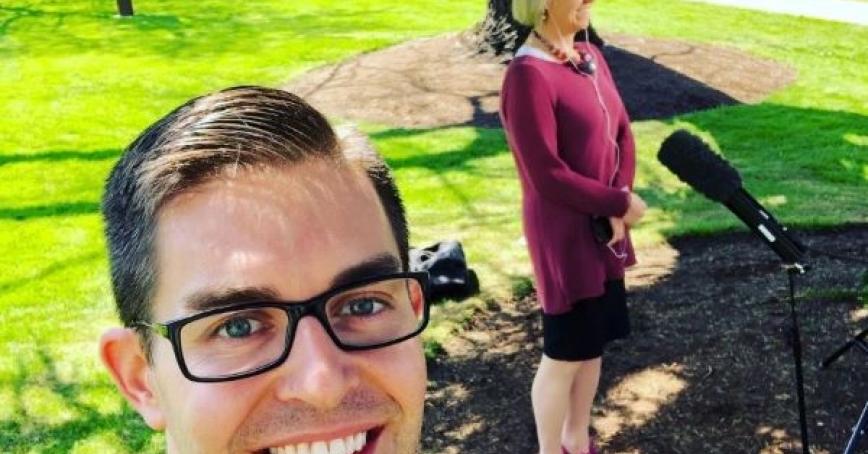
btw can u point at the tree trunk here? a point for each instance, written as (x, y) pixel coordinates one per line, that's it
(500, 34)
(125, 8)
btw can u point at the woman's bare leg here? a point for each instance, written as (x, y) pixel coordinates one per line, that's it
(575, 435)
(550, 396)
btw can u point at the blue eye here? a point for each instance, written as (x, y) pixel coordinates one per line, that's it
(362, 307)
(238, 327)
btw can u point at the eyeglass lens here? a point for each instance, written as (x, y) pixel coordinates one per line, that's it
(238, 341)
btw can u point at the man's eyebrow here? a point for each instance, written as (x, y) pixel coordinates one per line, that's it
(377, 265)
(211, 299)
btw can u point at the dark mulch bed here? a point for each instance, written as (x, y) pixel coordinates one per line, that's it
(708, 368)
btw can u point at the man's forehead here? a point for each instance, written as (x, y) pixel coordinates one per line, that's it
(270, 228)
(308, 180)
(270, 197)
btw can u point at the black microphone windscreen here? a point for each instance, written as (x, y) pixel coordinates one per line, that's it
(693, 162)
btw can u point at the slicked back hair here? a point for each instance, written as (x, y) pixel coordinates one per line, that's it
(237, 127)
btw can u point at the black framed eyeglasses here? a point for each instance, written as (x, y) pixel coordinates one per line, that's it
(246, 339)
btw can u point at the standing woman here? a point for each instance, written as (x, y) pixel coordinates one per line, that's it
(571, 139)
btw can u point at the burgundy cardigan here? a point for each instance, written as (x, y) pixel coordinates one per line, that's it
(556, 129)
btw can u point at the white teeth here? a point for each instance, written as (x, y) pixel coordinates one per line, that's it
(361, 440)
(319, 448)
(347, 445)
(337, 447)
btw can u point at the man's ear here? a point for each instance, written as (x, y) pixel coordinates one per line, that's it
(122, 354)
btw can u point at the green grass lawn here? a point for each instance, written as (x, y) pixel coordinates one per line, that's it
(77, 84)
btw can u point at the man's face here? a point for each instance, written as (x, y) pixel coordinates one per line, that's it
(291, 232)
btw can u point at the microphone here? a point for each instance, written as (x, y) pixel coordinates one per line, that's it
(693, 162)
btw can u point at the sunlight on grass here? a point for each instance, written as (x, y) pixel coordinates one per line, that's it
(100, 442)
(8, 410)
(858, 140)
(45, 407)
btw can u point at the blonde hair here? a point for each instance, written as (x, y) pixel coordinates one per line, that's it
(528, 12)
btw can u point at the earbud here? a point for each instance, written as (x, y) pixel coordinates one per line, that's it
(587, 65)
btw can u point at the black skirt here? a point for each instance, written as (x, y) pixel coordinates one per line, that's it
(583, 332)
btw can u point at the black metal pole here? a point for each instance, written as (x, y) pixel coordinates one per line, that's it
(125, 7)
(797, 355)
(858, 431)
(858, 340)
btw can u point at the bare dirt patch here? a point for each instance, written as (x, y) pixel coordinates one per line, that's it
(444, 81)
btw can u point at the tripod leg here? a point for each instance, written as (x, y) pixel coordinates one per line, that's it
(858, 339)
(862, 345)
(858, 431)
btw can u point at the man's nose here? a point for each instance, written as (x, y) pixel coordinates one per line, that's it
(317, 371)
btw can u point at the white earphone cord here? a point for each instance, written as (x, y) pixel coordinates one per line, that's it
(623, 253)
(610, 137)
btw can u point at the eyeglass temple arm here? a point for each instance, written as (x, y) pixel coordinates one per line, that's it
(158, 328)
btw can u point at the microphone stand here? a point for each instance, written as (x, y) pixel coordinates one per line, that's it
(795, 338)
(791, 252)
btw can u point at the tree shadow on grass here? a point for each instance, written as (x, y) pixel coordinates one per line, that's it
(49, 211)
(28, 431)
(57, 156)
(487, 143)
(54, 268)
(54, 157)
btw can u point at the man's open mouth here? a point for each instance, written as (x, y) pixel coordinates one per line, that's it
(359, 443)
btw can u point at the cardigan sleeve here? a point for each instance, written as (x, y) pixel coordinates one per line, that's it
(531, 125)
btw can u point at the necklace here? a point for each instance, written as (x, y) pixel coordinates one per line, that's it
(586, 60)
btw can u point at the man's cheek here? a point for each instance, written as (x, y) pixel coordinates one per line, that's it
(401, 369)
(204, 416)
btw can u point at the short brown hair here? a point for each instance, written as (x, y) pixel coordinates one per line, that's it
(240, 126)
